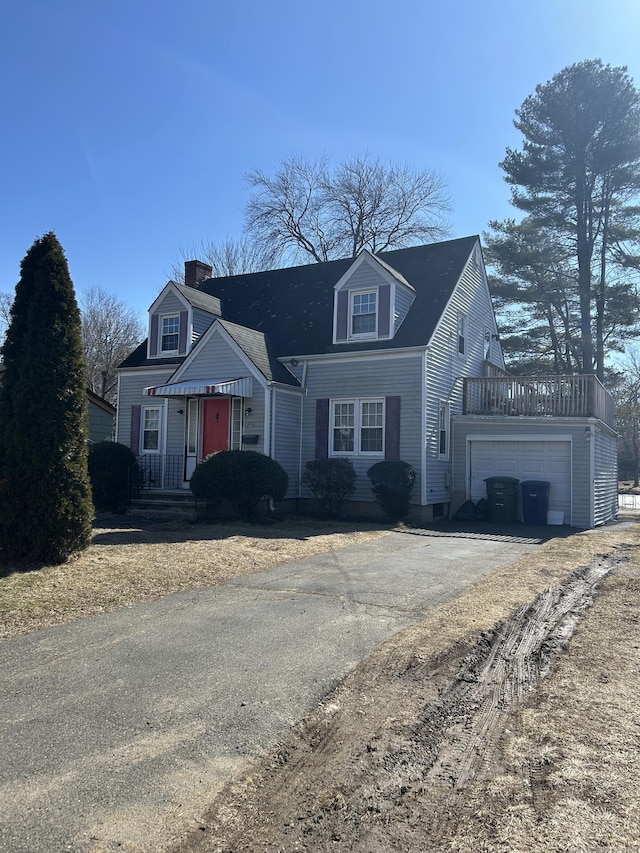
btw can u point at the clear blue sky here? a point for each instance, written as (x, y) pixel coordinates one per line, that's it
(129, 125)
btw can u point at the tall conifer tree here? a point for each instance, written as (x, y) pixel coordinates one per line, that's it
(45, 496)
(577, 177)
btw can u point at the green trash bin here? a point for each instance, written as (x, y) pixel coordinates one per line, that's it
(502, 499)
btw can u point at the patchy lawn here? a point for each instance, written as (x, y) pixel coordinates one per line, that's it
(128, 563)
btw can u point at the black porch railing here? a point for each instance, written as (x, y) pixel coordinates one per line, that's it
(159, 471)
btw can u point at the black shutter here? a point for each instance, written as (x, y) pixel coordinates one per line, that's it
(136, 412)
(153, 337)
(392, 428)
(184, 322)
(322, 429)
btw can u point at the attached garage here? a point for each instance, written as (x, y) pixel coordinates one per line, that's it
(577, 456)
(525, 458)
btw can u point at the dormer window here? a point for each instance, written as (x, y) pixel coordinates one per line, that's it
(170, 334)
(364, 312)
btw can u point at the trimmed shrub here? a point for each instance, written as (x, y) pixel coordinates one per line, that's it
(242, 477)
(112, 468)
(392, 483)
(331, 481)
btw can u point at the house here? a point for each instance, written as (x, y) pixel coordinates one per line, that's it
(369, 358)
(101, 418)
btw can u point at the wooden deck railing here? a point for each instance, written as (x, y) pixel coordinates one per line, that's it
(580, 396)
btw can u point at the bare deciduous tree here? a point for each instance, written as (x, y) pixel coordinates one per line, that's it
(308, 209)
(229, 257)
(6, 301)
(110, 331)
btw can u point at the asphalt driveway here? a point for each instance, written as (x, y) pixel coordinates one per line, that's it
(118, 729)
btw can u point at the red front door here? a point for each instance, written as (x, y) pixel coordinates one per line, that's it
(215, 425)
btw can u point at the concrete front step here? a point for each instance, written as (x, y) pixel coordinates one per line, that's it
(175, 504)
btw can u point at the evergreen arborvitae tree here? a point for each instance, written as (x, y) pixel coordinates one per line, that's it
(45, 496)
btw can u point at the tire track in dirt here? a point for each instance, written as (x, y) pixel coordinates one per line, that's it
(517, 658)
(402, 782)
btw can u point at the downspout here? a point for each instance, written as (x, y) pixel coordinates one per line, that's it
(592, 471)
(267, 419)
(117, 431)
(303, 385)
(423, 417)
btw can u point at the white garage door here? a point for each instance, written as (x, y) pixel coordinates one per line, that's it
(525, 460)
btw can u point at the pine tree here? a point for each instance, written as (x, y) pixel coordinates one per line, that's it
(578, 178)
(45, 496)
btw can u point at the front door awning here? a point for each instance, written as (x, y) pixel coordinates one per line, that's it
(242, 387)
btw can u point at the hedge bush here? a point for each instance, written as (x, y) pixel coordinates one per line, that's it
(331, 481)
(392, 483)
(242, 477)
(112, 469)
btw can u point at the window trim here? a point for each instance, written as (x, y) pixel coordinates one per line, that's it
(461, 334)
(357, 403)
(486, 344)
(143, 430)
(359, 336)
(161, 334)
(236, 422)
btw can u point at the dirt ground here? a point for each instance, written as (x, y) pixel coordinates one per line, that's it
(506, 721)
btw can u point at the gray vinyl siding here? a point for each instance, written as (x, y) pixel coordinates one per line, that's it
(100, 424)
(215, 361)
(358, 378)
(286, 441)
(364, 278)
(404, 299)
(201, 322)
(605, 481)
(547, 430)
(253, 423)
(170, 305)
(446, 369)
(130, 394)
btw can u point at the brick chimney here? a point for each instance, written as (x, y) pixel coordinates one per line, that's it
(195, 272)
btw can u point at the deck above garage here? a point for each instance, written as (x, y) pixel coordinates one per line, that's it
(579, 396)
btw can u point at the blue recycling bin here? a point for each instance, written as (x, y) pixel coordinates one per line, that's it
(535, 501)
(502, 499)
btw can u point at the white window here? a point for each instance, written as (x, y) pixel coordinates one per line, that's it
(486, 348)
(462, 333)
(170, 334)
(443, 430)
(364, 313)
(151, 419)
(192, 427)
(236, 423)
(343, 428)
(357, 427)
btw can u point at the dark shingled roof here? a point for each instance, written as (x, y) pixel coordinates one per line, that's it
(138, 358)
(255, 345)
(293, 307)
(199, 299)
